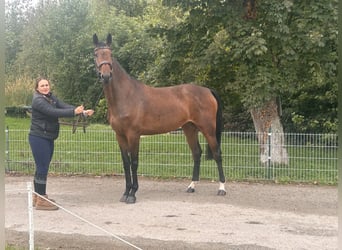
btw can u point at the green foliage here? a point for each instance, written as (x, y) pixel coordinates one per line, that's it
(100, 115)
(19, 91)
(131, 8)
(287, 51)
(54, 44)
(322, 125)
(13, 247)
(17, 16)
(14, 111)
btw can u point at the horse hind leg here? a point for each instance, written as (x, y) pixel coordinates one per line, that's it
(191, 133)
(218, 159)
(215, 149)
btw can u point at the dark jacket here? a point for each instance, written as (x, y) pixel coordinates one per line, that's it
(46, 109)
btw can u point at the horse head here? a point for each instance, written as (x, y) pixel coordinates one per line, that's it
(103, 58)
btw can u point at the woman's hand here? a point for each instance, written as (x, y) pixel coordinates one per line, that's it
(79, 110)
(88, 112)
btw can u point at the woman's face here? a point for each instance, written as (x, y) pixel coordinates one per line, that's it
(43, 87)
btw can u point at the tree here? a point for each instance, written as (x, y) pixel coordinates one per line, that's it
(256, 54)
(55, 44)
(311, 103)
(265, 52)
(17, 16)
(131, 8)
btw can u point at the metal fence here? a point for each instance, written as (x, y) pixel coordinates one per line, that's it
(312, 158)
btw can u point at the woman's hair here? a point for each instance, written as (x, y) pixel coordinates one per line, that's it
(39, 79)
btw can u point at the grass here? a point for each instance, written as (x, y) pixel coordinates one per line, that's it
(167, 156)
(17, 123)
(12, 247)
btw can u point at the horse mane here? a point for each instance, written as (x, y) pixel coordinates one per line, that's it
(119, 71)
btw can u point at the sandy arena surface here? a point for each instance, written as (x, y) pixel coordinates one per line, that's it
(250, 216)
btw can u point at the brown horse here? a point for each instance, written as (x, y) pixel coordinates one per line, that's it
(135, 109)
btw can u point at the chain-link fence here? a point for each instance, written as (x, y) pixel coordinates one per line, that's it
(309, 157)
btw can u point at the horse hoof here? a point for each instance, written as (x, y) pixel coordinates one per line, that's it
(124, 198)
(221, 193)
(190, 190)
(131, 200)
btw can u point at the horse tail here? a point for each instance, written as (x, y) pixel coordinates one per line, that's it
(209, 153)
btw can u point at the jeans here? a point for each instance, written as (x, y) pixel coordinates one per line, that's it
(42, 150)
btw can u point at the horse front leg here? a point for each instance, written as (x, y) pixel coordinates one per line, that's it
(127, 170)
(133, 142)
(196, 155)
(134, 187)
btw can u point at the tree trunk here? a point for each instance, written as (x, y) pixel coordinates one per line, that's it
(270, 133)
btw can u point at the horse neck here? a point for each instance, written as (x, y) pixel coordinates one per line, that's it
(119, 87)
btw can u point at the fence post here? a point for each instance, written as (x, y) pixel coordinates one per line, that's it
(30, 215)
(7, 148)
(269, 154)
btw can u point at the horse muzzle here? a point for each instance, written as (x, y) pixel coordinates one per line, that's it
(105, 78)
(104, 71)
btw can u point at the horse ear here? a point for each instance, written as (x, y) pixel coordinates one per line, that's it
(109, 39)
(95, 39)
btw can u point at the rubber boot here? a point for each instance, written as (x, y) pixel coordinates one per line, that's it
(42, 204)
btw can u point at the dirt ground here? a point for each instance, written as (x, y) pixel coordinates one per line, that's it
(250, 216)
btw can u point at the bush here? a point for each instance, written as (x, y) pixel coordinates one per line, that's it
(18, 92)
(19, 112)
(100, 115)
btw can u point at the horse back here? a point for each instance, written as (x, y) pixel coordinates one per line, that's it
(168, 108)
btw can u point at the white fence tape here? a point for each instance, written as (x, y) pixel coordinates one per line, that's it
(31, 222)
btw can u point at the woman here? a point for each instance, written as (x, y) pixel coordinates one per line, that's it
(46, 109)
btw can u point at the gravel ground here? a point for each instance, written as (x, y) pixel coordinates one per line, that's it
(250, 216)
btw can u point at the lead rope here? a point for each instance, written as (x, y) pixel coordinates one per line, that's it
(82, 118)
(98, 98)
